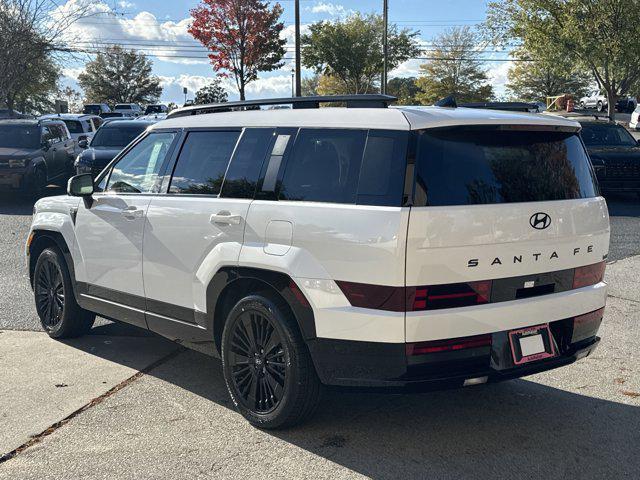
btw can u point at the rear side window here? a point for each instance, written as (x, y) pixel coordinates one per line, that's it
(244, 170)
(346, 166)
(74, 126)
(203, 162)
(482, 166)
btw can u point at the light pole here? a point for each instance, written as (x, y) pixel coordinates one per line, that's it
(385, 20)
(298, 88)
(293, 90)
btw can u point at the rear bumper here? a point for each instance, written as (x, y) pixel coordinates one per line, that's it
(386, 366)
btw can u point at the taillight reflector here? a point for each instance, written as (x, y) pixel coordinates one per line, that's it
(588, 275)
(450, 345)
(589, 317)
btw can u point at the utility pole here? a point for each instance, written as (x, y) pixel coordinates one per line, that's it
(385, 47)
(298, 79)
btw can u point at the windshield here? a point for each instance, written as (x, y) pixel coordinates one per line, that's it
(154, 109)
(480, 166)
(123, 107)
(116, 137)
(606, 134)
(20, 136)
(74, 126)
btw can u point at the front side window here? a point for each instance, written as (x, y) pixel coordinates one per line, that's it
(203, 162)
(138, 170)
(74, 126)
(324, 166)
(468, 166)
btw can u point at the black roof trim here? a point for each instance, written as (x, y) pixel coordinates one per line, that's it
(508, 106)
(352, 101)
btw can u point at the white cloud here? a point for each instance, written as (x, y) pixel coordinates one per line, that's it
(267, 87)
(498, 77)
(331, 9)
(410, 68)
(125, 4)
(168, 41)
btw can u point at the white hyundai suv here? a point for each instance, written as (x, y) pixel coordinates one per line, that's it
(363, 246)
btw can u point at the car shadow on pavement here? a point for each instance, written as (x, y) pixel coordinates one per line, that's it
(623, 205)
(517, 429)
(16, 203)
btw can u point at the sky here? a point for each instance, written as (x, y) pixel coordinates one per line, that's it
(159, 28)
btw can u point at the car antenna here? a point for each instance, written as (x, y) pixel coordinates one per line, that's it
(449, 102)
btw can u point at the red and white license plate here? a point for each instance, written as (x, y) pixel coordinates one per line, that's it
(531, 344)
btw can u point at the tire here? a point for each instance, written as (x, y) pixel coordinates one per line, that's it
(267, 367)
(59, 313)
(600, 106)
(583, 106)
(38, 183)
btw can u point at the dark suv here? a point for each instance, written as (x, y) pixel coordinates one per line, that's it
(34, 153)
(615, 156)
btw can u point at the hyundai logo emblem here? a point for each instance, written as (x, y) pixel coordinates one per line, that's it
(540, 220)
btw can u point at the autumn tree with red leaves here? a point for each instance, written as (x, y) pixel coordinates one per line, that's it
(243, 37)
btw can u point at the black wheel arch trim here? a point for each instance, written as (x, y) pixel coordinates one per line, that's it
(283, 284)
(43, 235)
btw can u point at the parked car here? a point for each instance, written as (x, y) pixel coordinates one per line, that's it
(112, 137)
(297, 246)
(157, 108)
(128, 109)
(153, 116)
(615, 156)
(33, 154)
(5, 113)
(598, 100)
(96, 109)
(635, 119)
(80, 126)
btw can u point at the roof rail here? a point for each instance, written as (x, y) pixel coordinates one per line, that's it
(352, 101)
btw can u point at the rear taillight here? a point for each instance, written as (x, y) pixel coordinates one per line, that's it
(380, 297)
(452, 295)
(588, 318)
(588, 275)
(450, 345)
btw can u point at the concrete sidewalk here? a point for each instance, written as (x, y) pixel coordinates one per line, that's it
(176, 421)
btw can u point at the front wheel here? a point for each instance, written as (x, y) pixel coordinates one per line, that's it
(600, 106)
(267, 366)
(60, 314)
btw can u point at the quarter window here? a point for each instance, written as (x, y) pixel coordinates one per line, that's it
(138, 170)
(203, 162)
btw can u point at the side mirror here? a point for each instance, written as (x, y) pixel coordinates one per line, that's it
(84, 143)
(80, 185)
(45, 145)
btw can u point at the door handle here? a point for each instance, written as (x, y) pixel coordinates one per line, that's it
(131, 213)
(225, 218)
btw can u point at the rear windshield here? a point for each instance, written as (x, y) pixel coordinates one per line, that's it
(118, 137)
(123, 107)
(480, 166)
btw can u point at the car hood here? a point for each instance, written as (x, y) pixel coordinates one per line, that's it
(99, 155)
(615, 154)
(10, 153)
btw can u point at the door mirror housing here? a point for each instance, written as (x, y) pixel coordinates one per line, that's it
(80, 185)
(84, 143)
(45, 145)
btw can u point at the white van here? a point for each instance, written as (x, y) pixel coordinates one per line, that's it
(366, 246)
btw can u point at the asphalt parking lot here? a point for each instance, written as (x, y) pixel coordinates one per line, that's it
(122, 403)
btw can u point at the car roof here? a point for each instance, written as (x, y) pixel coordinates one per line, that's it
(19, 121)
(395, 118)
(127, 123)
(67, 116)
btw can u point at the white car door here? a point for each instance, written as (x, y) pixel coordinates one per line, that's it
(198, 225)
(109, 231)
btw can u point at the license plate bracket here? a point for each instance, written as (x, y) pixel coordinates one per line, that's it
(531, 344)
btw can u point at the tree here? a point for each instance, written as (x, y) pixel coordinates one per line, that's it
(120, 76)
(309, 85)
(405, 89)
(73, 99)
(212, 93)
(534, 81)
(600, 35)
(454, 70)
(350, 50)
(30, 48)
(172, 106)
(243, 37)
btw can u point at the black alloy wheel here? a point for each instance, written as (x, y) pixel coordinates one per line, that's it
(267, 366)
(50, 293)
(258, 362)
